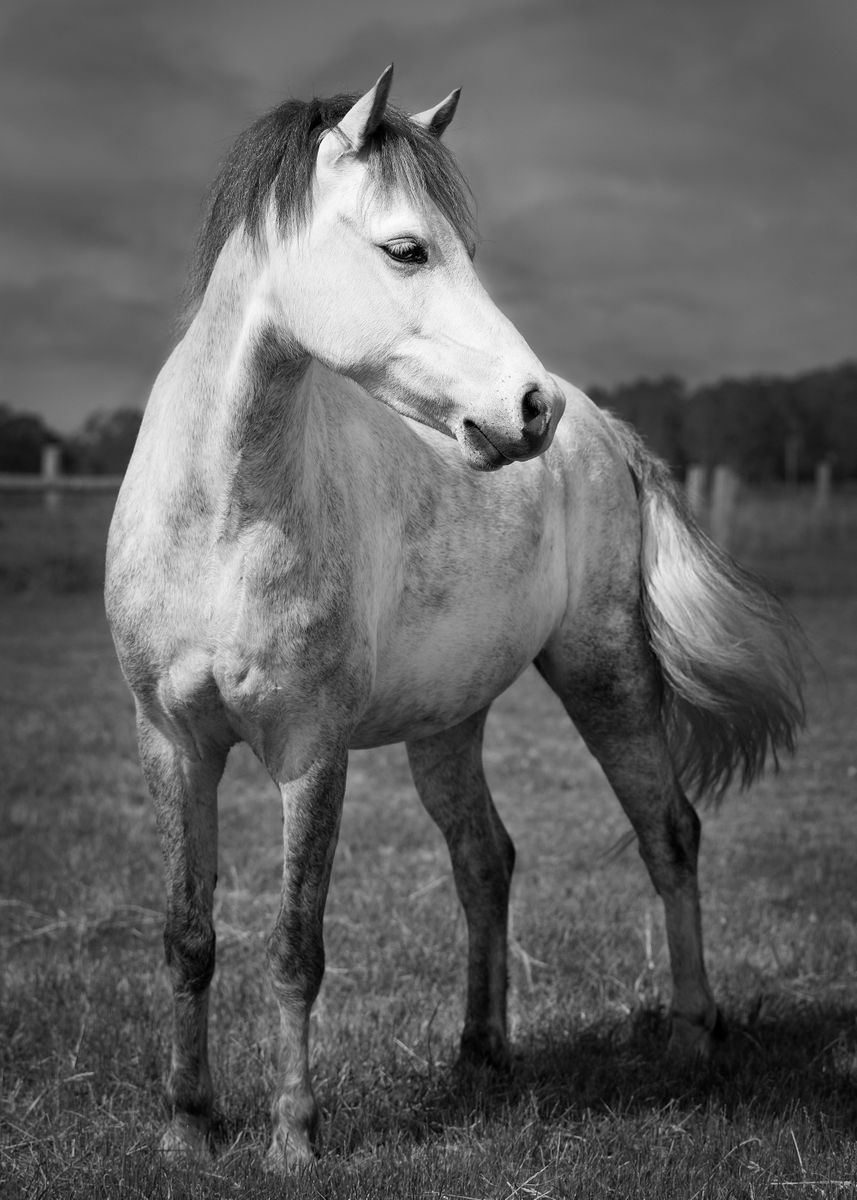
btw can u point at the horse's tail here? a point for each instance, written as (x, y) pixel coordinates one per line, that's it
(728, 650)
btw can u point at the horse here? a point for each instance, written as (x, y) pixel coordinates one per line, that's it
(354, 516)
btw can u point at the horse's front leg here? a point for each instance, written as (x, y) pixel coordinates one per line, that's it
(184, 791)
(312, 806)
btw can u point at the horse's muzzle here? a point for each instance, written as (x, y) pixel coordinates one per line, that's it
(487, 449)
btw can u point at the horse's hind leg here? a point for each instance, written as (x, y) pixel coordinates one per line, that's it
(184, 791)
(614, 702)
(448, 773)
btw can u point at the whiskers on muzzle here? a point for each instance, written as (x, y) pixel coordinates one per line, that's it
(487, 448)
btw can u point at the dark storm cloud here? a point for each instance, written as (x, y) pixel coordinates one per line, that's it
(662, 186)
(99, 143)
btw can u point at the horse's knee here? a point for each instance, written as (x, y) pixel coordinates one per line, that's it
(668, 840)
(295, 961)
(483, 861)
(189, 950)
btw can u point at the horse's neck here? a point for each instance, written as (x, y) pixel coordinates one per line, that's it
(233, 401)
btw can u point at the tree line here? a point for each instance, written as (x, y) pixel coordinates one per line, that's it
(764, 427)
(102, 446)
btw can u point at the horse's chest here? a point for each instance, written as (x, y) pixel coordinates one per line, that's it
(290, 645)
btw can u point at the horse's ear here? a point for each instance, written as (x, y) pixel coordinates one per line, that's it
(358, 124)
(436, 119)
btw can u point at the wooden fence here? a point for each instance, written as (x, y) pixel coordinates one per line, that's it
(51, 483)
(713, 495)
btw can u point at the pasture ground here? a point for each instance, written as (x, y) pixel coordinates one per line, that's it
(591, 1110)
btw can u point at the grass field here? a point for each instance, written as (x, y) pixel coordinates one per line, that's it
(591, 1110)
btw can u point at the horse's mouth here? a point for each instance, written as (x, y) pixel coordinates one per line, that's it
(479, 451)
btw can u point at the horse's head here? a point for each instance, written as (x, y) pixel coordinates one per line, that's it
(378, 283)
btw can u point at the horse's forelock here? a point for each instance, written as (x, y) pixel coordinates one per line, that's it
(275, 158)
(404, 156)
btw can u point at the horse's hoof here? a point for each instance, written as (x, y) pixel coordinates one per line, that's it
(186, 1140)
(482, 1050)
(692, 1040)
(289, 1153)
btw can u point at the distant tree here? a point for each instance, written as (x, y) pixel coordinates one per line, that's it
(826, 413)
(656, 408)
(22, 436)
(764, 427)
(105, 443)
(741, 423)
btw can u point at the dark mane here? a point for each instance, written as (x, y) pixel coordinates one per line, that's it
(277, 153)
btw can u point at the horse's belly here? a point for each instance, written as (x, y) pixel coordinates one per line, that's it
(429, 704)
(431, 681)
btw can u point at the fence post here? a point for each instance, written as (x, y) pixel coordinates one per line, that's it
(823, 481)
(51, 462)
(695, 489)
(724, 498)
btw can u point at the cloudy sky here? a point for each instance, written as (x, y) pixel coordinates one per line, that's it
(662, 185)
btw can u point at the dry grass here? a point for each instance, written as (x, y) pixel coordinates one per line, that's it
(590, 1110)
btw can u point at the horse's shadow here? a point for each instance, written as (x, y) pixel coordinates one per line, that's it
(769, 1064)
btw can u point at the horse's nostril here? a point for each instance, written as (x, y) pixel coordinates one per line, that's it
(534, 410)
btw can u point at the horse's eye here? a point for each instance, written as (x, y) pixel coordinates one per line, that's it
(406, 250)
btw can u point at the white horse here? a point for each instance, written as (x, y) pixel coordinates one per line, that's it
(295, 565)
